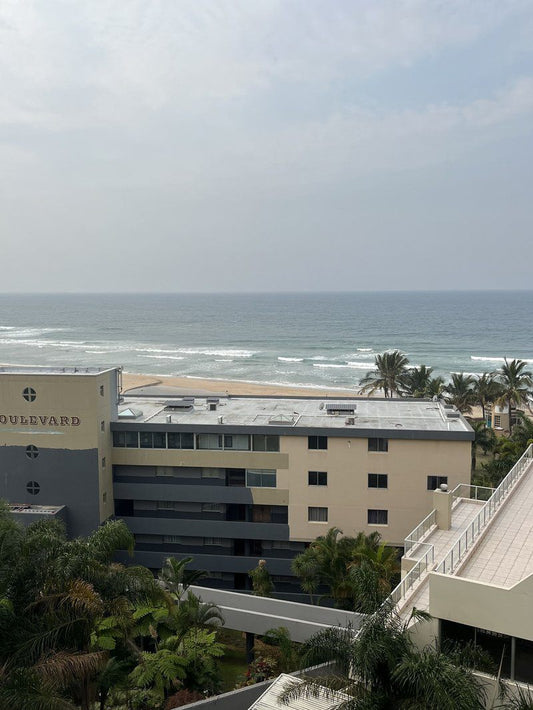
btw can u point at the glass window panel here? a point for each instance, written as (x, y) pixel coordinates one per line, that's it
(146, 440)
(119, 438)
(132, 439)
(160, 440)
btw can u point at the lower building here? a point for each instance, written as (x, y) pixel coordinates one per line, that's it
(226, 480)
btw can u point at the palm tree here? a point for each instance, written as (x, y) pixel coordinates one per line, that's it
(379, 667)
(460, 392)
(436, 387)
(416, 381)
(516, 383)
(485, 439)
(388, 375)
(487, 390)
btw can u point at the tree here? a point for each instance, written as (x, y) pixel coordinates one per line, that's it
(262, 584)
(460, 392)
(436, 387)
(486, 390)
(388, 376)
(516, 383)
(484, 438)
(416, 381)
(379, 667)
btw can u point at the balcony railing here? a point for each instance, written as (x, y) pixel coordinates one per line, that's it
(414, 574)
(487, 512)
(420, 531)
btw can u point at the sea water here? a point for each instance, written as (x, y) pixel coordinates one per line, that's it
(317, 340)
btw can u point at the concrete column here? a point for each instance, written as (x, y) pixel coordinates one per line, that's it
(442, 503)
(250, 641)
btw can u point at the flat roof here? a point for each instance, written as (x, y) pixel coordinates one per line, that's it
(52, 370)
(402, 418)
(40, 509)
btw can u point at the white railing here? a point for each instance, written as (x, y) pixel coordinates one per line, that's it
(412, 577)
(465, 490)
(419, 532)
(472, 532)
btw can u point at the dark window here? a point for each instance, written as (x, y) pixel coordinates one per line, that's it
(33, 488)
(29, 394)
(435, 481)
(32, 451)
(124, 508)
(228, 441)
(378, 480)
(102, 426)
(119, 438)
(260, 478)
(317, 478)
(180, 441)
(265, 442)
(378, 444)
(132, 439)
(378, 517)
(317, 442)
(159, 440)
(146, 440)
(103, 462)
(101, 390)
(317, 515)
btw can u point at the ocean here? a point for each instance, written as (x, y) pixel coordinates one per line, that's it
(316, 340)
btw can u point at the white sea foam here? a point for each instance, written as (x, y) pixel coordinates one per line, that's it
(482, 358)
(318, 357)
(166, 357)
(291, 359)
(350, 365)
(364, 350)
(222, 352)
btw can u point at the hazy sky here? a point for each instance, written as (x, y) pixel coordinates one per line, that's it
(264, 145)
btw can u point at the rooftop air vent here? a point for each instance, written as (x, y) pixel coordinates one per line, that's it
(340, 408)
(453, 414)
(179, 405)
(349, 421)
(214, 400)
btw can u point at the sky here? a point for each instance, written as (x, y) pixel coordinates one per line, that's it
(266, 145)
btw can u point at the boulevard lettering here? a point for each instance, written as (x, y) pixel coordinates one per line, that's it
(38, 420)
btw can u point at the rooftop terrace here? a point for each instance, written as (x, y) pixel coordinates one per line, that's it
(45, 370)
(401, 417)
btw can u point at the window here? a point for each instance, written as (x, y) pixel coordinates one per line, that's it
(497, 420)
(104, 497)
(435, 482)
(180, 441)
(260, 478)
(33, 488)
(213, 541)
(119, 438)
(103, 462)
(378, 517)
(101, 390)
(132, 439)
(317, 442)
(174, 539)
(29, 394)
(146, 440)
(102, 426)
(317, 478)
(32, 451)
(265, 442)
(378, 444)
(164, 470)
(213, 508)
(317, 515)
(378, 480)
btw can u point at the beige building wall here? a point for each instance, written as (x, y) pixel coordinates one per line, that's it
(485, 606)
(347, 497)
(70, 411)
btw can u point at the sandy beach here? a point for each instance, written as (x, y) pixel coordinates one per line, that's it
(194, 385)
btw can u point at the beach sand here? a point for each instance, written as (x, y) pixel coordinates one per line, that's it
(194, 385)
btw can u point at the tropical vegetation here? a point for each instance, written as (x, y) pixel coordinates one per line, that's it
(79, 629)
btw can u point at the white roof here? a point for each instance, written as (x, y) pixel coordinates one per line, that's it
(270, 700)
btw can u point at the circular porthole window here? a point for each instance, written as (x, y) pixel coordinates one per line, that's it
(29, 394)
(32, 451)
(33, 488)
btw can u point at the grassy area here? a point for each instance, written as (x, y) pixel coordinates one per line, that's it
(233, 664)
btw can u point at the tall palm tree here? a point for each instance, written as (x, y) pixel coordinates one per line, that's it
(460, 392)
(487, 390)
(516, 383)
(436, 387)
(416, 381)
(388, 375)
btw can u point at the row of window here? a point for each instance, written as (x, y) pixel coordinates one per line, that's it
(375, 480)
(221, 442)
(374, 516)
(188, 440)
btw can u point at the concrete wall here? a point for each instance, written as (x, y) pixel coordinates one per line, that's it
(486, 606)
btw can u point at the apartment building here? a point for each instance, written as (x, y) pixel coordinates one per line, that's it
(226, 480)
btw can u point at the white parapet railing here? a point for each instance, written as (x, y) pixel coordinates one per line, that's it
(487, 512)
(465, 490)
(420, 532)
(414, 574)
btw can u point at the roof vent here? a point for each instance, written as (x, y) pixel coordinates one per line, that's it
(179, 405)
(214, 400)
(453, 414)
(221, 419)
(349, 421)
(340, 407)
